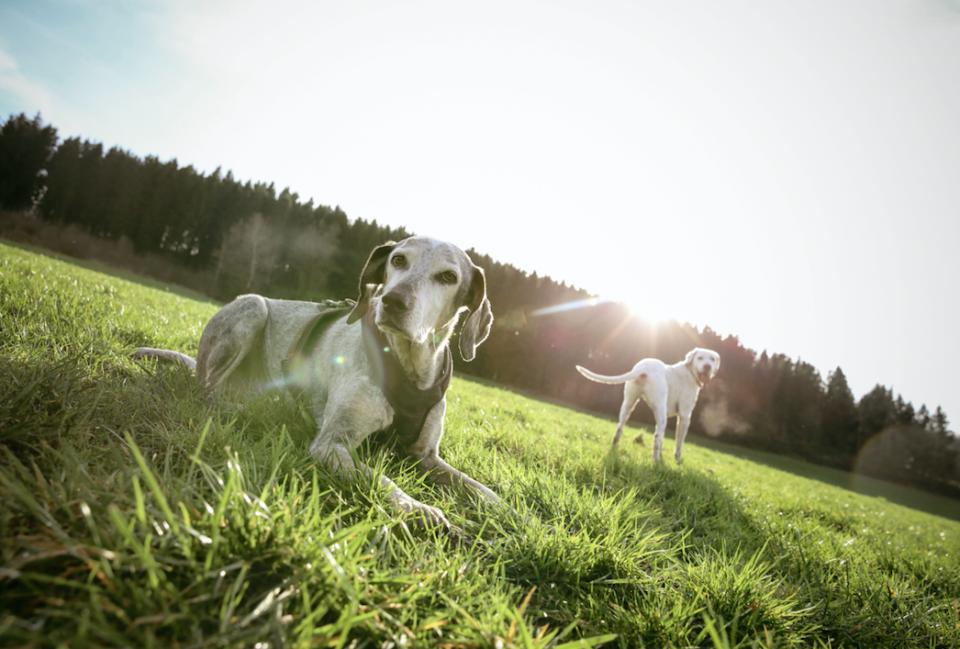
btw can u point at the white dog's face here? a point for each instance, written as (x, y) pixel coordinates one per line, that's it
(704, 362)
(426, 282)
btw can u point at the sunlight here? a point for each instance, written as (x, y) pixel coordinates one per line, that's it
(648, 311)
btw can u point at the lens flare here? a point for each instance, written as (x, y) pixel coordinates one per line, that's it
(569, 306)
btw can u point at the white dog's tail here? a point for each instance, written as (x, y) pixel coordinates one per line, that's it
(166, 355)
(612, 380)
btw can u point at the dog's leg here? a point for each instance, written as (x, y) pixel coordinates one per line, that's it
(232, 333)
(330, 448)
(166, 355)
(339, 458)
(625, 410)
(443, 474)
(630, 399)
(660, 413)
(426, 450)
(683, 423)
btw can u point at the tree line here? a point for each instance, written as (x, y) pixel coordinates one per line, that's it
(247, 237)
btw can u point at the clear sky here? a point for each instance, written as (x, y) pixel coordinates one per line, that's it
(785, 172)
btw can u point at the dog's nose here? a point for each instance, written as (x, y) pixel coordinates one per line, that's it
(395, 302)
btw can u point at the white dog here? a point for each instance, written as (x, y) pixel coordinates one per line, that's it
(668, 389)
(379, 366)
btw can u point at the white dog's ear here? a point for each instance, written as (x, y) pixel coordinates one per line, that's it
(688, 360)
(477, 327)
(716, 366)
(373, 275)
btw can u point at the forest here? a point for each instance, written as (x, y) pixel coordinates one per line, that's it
(223, 237)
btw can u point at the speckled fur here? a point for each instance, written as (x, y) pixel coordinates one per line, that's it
(241, 350)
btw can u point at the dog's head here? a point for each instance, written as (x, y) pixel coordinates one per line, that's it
(703, 362)
(418, 288)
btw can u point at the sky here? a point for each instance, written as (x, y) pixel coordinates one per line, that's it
(788, 173)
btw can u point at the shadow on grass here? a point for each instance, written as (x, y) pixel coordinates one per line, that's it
(898, 494)
(689, 501)
(650, 551)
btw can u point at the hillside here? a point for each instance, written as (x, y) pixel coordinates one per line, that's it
(135, 512)
(220, 236)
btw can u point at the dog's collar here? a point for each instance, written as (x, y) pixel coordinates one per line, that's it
(410, 404)
(694, 375)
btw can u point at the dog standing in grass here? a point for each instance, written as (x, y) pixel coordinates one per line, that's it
(380, 365)
(669, 390)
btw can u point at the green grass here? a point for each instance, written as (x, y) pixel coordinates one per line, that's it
(135, 512)
(113, 271)
(862, 484)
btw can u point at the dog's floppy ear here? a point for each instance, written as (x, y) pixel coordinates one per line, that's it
(716, 367)
(477, 327)
(688, 360)
(373, 275)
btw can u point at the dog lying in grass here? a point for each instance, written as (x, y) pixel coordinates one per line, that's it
(668, 389)
(380, 365)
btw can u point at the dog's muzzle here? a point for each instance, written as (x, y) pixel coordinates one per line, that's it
(395, 305)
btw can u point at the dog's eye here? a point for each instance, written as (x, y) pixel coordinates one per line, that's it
(448, 277)
(399, 261)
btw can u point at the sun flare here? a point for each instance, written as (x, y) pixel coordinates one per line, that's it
(646, 310)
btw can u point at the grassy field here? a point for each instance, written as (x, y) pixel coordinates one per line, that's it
(861, 484)
(136, 513)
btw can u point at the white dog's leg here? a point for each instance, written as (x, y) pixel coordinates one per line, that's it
(683, 423)
(629, 403)
(660, 413)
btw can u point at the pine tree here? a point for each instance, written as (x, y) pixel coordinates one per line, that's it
(877, 413)
(25, 148)
(923, 417)
(840, 420)
(939, 423)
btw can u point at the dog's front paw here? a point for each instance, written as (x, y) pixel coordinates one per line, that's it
(423, 515)
(428, 516)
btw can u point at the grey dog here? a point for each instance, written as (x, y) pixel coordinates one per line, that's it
(380, 365)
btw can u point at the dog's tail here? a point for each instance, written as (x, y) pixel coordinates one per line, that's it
(612, 380)
(166, 355)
